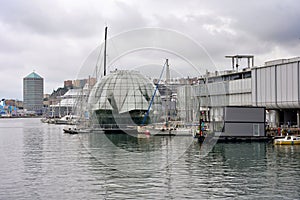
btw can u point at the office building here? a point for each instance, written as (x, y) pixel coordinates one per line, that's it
(33, 92)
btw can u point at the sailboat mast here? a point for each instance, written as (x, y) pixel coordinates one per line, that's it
(105, 38)
(167, 90)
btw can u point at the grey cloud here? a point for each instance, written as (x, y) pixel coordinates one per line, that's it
(51, 18)
(55, 37)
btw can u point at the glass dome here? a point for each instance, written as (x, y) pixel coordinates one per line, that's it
(123, 98)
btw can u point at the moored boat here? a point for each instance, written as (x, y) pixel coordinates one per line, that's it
(70, 130)
(288, 140)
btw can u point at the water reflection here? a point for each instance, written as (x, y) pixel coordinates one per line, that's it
(33, 142)
(135, 155)
(241, 155)
(38, 161)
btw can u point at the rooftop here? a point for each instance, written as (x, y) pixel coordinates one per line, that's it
(33, 75)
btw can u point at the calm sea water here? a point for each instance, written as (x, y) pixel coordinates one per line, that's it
(39, 161)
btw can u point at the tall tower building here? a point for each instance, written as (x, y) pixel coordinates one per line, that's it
(33, 92)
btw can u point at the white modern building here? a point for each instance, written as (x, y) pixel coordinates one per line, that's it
(275, 86)
(71, 103)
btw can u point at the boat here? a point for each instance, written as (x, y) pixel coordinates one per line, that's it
(67, 119)
(288, 140)
(71, 130)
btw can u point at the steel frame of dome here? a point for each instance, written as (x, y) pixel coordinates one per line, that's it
(123, 98)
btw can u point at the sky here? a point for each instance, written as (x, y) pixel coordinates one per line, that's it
(56, 38)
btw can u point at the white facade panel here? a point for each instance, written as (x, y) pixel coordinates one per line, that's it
(259, 88)
(284, 84)
(246, 99)
(240, 99)
(276, 86)
(295, 90)
(239, 86)
(267, 94)
(246, 85)
(272, 88)
(253, 88)
(263, 86)
(287, 86)
(216, 88)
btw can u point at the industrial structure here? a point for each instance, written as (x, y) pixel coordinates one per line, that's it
(33, 93)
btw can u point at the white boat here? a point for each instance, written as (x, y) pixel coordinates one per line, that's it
(68, 119)
(288, 140)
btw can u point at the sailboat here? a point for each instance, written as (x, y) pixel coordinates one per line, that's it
(84, 119)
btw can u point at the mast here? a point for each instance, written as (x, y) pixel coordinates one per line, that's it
(59, 104)
(167, 91)
(105, 38)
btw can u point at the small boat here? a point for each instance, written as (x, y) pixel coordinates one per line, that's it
(288, 140)
(68, 119)
(70, 130)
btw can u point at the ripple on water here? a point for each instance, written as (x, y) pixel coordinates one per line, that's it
(38, 161)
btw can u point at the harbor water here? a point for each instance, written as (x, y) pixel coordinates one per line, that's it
(39, 161)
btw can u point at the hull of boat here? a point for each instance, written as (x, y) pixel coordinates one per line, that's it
(281, 142)
(70, 131)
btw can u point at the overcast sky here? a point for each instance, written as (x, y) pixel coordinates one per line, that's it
(55, 37)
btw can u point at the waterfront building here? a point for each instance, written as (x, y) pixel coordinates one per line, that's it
(67, 103)
(33, 92)
(213, 92)
(275, 86)
(123, 98)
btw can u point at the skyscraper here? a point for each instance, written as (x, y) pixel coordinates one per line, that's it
(33, 92)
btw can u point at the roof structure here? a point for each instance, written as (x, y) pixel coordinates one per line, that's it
(123, 91)
(33, 75)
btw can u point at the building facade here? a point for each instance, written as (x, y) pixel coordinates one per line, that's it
(33, 93)
(275, 86)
